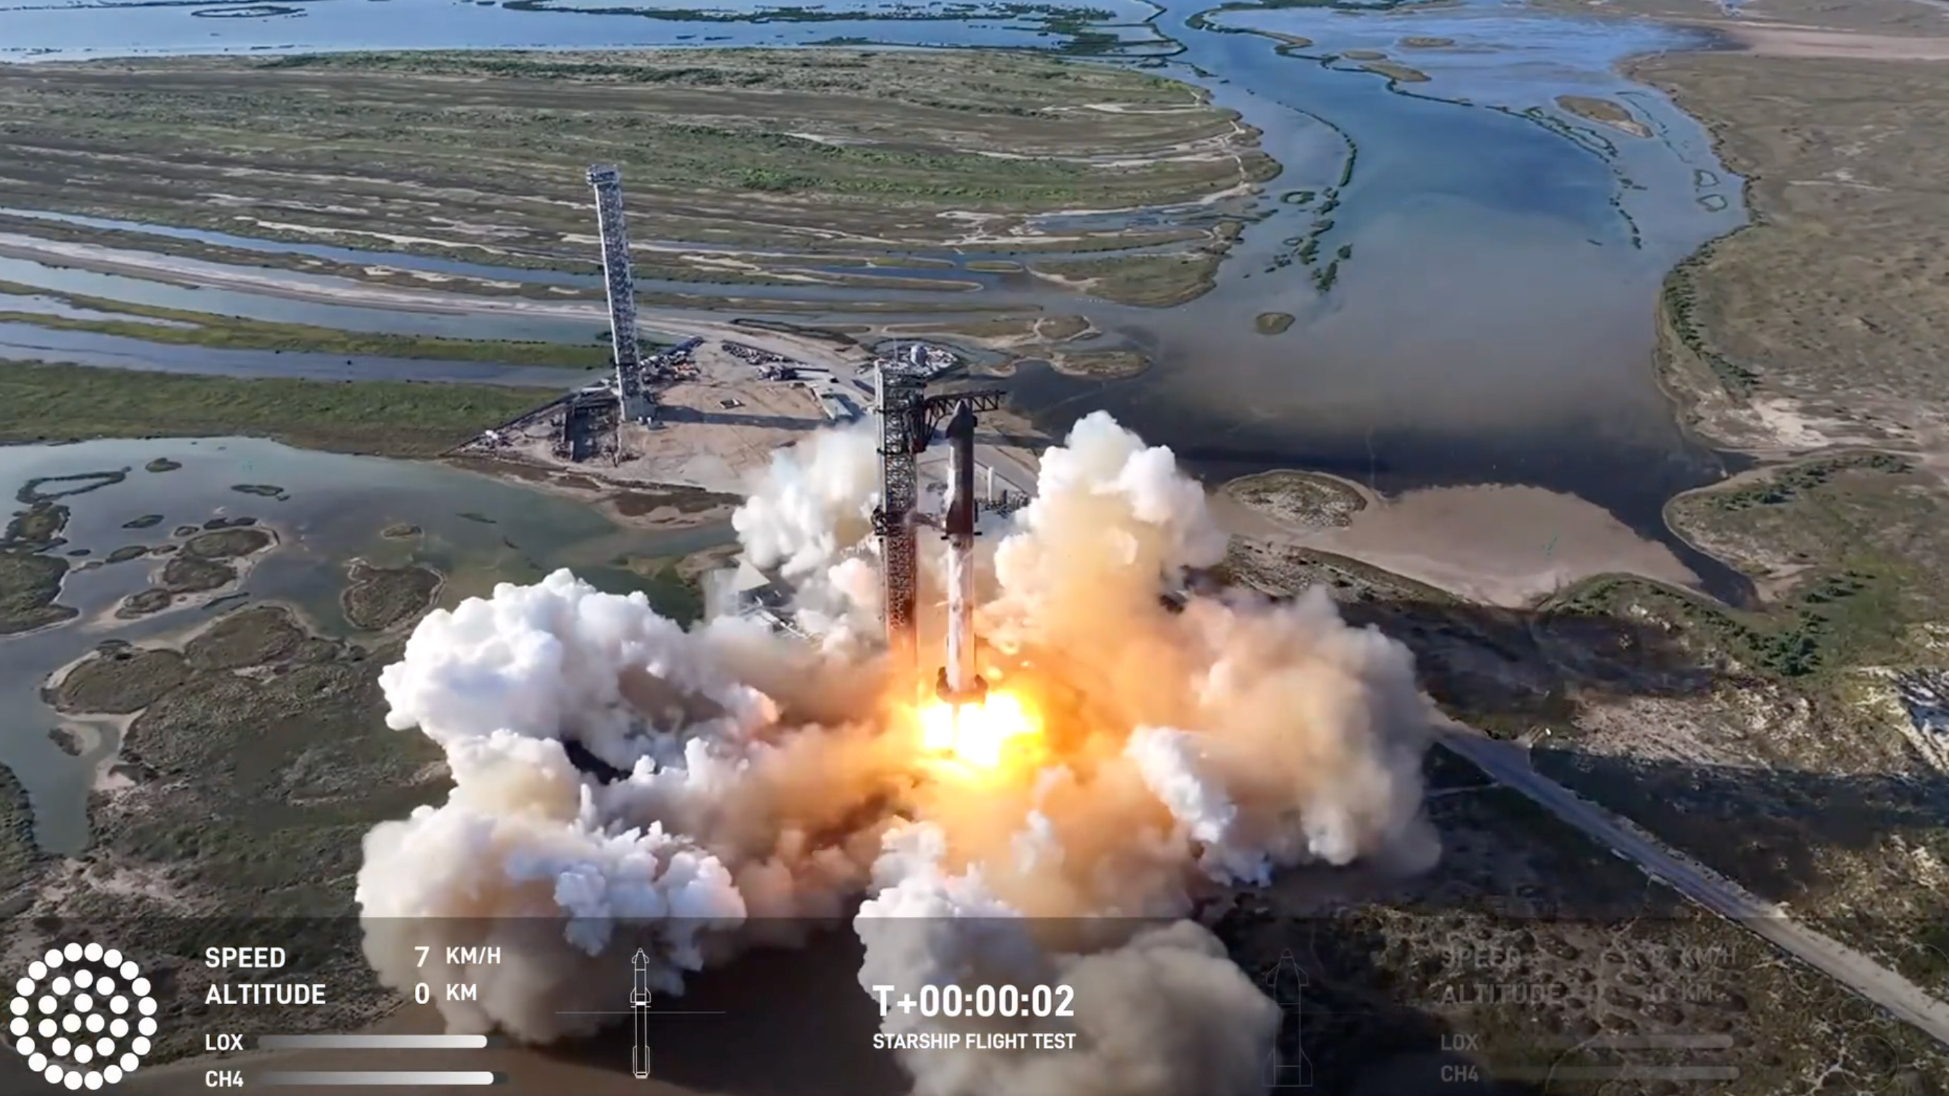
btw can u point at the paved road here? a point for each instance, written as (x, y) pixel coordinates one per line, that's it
(1509, 766)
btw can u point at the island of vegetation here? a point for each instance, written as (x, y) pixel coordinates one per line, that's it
(1606, 111)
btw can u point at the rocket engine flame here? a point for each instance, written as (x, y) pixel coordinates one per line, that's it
(755, 783)
(980, 734)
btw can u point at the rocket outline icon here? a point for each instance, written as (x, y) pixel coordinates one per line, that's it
(639, 1021)
(1286, 1065)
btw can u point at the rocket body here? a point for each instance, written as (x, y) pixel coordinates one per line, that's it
(958, 682)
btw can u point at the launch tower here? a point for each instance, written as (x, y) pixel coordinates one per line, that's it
(908, 420)
(620, 281)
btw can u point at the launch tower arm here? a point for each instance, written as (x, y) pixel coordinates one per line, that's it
(934, 409)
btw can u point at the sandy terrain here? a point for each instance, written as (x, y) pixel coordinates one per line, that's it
(1783, 41)
(1502, 545)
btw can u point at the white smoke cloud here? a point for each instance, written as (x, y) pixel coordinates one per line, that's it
(759, 781)
(807, 516)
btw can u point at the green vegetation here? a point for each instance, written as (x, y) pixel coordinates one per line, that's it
(1847, 542)
(1789, 642)
(49, 402)
(1100, 365)
(185, 574)
(1829, 304)
(1272, 323)
(38, 527)
(1396, 73)
(768, 147)
(179, 327)
(20, 858)
(1602, 110)
(1148, 281)
(1779, 487)
(1678, 305)
(253, 790)
(120, 679)
(246, 637)
(1305, 500)
(376, 598)
(29, 584)
(1795, 740)
(226, 543)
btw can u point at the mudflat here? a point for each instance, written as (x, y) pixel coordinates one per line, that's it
(481, 156)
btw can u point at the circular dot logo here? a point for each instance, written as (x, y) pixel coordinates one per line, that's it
(82, 1016)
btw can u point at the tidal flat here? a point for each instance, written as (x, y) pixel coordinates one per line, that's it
(78, 312)
(228, 758)
(823, 151)
(170, 552)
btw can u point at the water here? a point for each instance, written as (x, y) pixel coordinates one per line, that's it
(37, 30)
(336, 507)
(1495, 322)
(591, 319)
(26, 342)
(405, 260)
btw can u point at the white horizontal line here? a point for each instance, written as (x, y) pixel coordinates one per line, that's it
(397, 1077)
(371, 1042)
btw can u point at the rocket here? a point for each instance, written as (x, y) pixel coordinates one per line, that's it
(1286, 1064)
(639, 1007)
(958, 683)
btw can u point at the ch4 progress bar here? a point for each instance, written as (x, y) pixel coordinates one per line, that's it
(407, 1078)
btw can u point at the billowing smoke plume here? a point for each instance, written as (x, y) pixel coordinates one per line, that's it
(719, 788)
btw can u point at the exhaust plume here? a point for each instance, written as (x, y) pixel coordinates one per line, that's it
(722, 787)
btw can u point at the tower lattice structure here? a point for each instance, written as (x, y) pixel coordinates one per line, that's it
(620, 282)
(908, 420)
(900, 402)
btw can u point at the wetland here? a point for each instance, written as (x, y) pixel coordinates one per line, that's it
(331, 548)
(1401, 296)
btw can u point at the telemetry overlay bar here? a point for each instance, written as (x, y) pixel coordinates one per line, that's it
(396, 1077)
(371, 1042)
